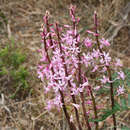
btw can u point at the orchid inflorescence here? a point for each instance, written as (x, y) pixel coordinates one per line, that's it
(64, 64)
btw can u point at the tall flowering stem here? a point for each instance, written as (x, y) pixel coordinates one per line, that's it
(84, 111)
(108, 70)
(71, 125)
(66, 74)
(82, 95)
(75, 35)
(94, 106)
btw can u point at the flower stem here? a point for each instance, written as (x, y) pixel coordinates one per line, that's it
(109, 73)
(84, 111)
(79, 71)
(94, 107)
(66, 73)
(71, 125)
(81, 93)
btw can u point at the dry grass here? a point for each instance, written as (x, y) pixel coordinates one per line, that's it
(24, 23)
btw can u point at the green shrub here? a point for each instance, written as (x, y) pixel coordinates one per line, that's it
(12, 65)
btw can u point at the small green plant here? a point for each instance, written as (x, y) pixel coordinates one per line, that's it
(13, 70)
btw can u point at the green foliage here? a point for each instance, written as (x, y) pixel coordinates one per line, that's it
(3, 71)
(12, 65)
(123, 103)
(4, 52)
(19, 76)
(128, 100)
(117, 82)
(103, 90)
(20, 73)
(3, 18)
(127, 73)
(125, 128)
(17, 58)
(107, 113)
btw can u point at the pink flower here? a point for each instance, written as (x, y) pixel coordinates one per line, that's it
(99, 106)
(49, 105)
(45, 18)
(87, 58)
(71, 118)
(106, 60)
(104, 79)
(74, 90)
(72, 11)
(47, 88)
(89, 102)
(76, 105)
(69, 77)
(40, 67)
(97, 88)
(78, 38)
(95, 68)
(57, 101)
(67, 26)
(120, 90)
(104, 69)
(121, 75)
(40, 75)
(118, 63)
(88, 112)
(95, 53)
(88, 42)
(85, 83)
(78, 19)
(90, 32)
(44, 58)
(104, 42)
